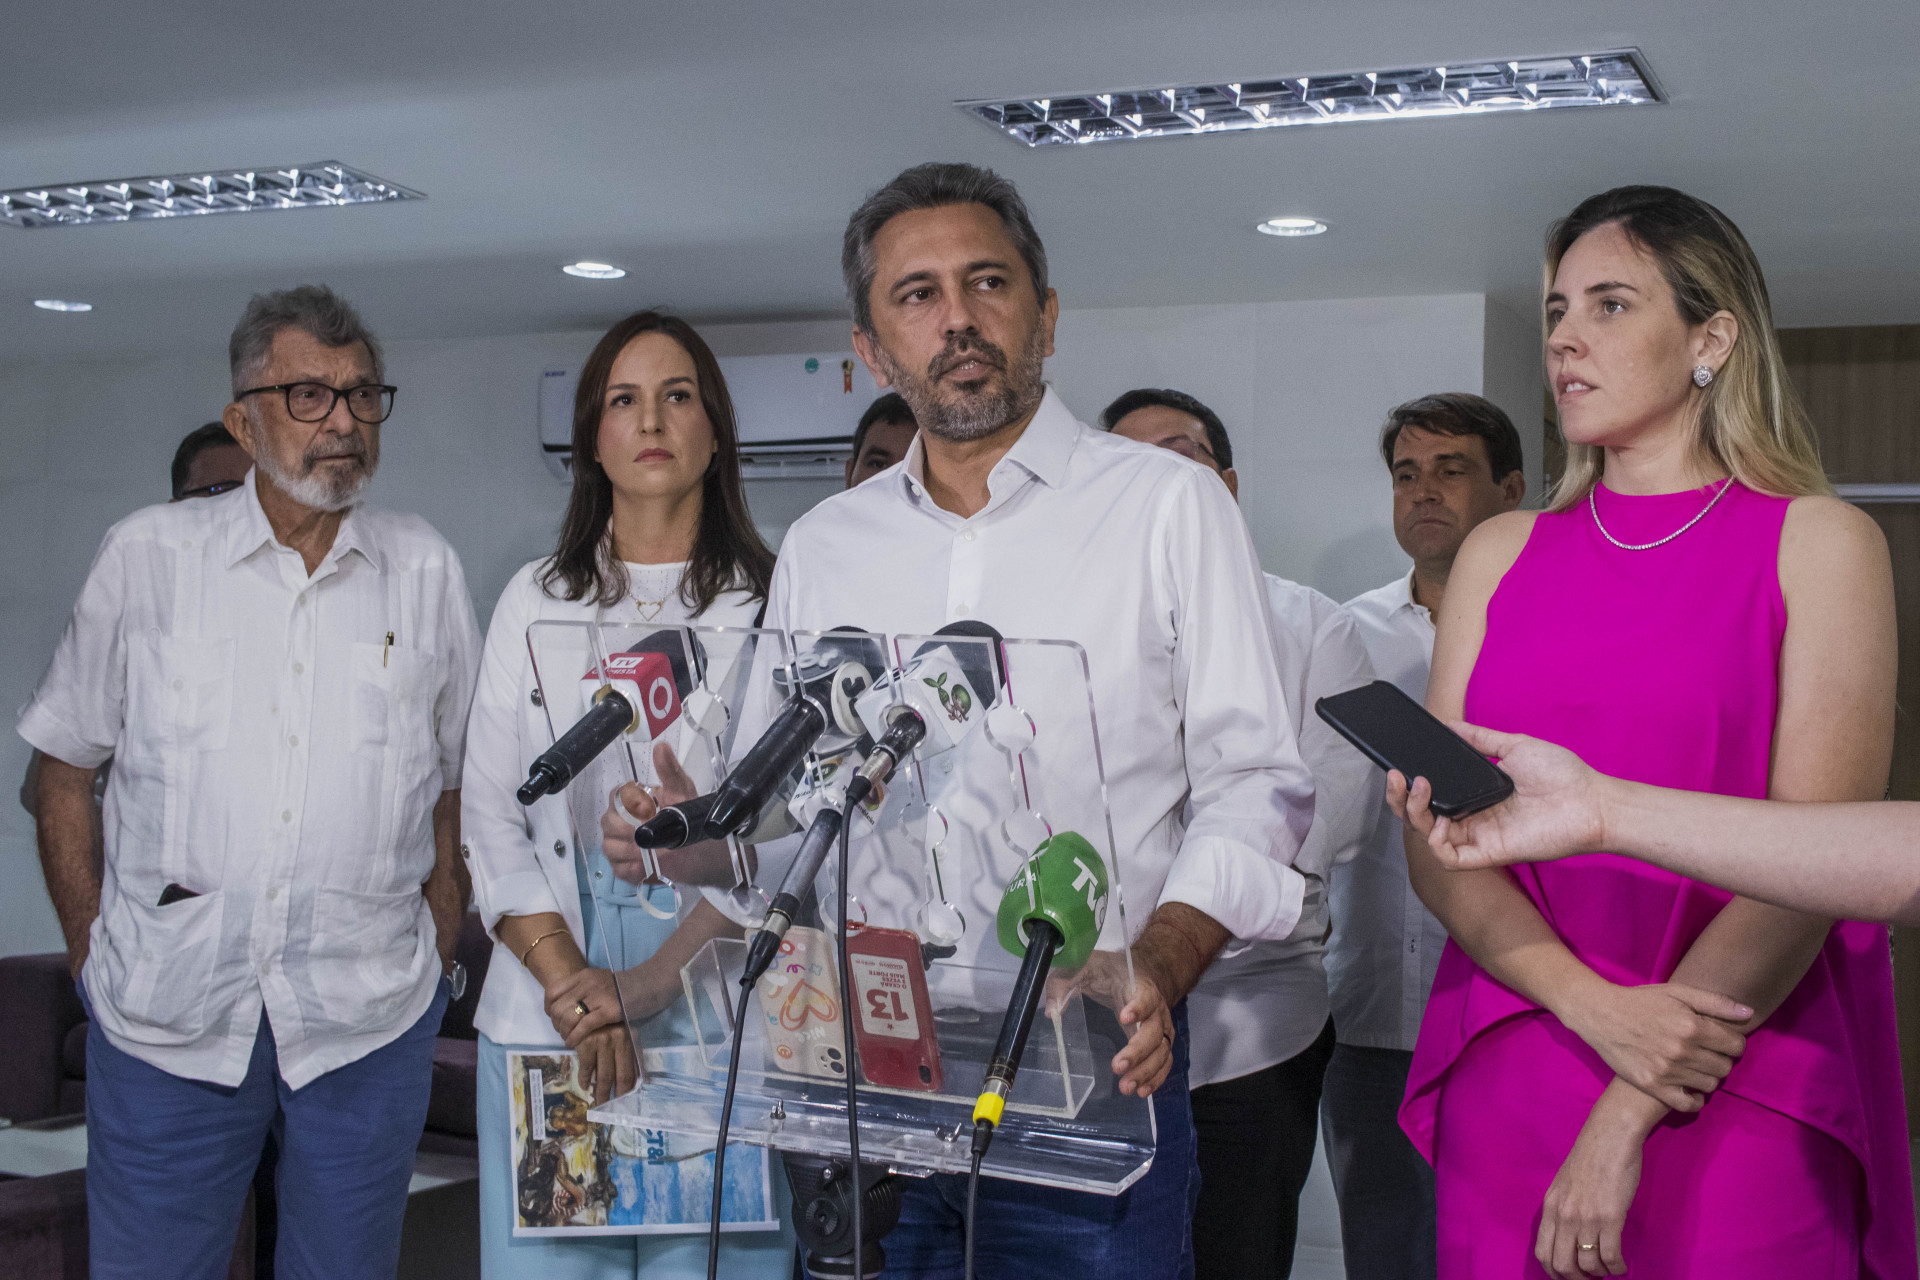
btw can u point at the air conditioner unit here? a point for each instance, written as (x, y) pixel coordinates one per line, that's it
(796, 413)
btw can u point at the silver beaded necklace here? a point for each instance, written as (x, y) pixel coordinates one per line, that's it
(1648, 546)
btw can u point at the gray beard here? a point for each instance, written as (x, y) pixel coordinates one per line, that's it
(975, 415)
(312, 489)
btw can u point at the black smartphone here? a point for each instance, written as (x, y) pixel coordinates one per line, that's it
(1396, 732)
(175, 893)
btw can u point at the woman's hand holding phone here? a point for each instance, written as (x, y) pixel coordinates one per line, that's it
(1557, 807)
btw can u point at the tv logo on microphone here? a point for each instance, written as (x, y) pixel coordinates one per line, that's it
(643, 679)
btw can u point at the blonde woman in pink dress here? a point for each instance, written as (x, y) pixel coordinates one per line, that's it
(1623, 1071)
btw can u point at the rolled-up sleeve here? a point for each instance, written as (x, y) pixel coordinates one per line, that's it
(77, 712)
(1250, 793)
(507, 877)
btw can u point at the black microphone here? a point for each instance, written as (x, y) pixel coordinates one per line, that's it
(677, 825)
(555, 767)
(654, 671)
(830, 680)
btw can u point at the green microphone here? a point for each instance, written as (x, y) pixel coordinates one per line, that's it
(1051, 912)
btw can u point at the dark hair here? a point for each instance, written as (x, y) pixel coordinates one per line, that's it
(889, 408)
(1456, 413)
(198, 441)
(934, 186)
(313, 308)
(727, 551)
(1143, 397)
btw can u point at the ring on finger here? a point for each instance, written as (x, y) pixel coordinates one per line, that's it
(580, 1007)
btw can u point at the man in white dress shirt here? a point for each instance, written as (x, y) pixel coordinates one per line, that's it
(1007, 510)
(1261, 1034)
(281, 677)
(1455, 461)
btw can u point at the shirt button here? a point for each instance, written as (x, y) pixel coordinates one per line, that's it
(960, 610)
(293, 739)
(186, 543)
(967, 536)
(178, 685)
(272, 894)
(299, 668)
(286, 815)
(559, 848)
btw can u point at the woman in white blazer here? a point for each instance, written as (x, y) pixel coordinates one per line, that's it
(656, 531)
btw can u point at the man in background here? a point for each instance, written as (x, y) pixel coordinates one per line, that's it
(208, 462)
(282, 678)
(1455, 461)
(881, 439)
(1261, 1035)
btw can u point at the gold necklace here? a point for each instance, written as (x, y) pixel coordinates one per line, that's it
(650, 609)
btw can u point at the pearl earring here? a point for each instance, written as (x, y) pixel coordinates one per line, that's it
(1702, 375)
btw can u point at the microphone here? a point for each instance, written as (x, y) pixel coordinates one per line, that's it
(1051, 912)
(934, 684)
(642, 685)
(676, 826)
(829, 680)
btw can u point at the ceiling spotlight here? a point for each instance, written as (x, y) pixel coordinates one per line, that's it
(1291, 227)
(594, 270)
(55, 304)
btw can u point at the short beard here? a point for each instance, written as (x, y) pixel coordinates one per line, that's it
(975, 414)
(330, 491)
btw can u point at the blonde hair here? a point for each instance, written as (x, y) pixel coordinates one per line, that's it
(1751, 423)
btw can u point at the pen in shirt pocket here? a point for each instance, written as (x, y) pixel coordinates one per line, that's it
(389, 649)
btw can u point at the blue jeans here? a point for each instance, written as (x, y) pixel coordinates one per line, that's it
(1385, 1186)
(169, 1160)
(1024, 1231)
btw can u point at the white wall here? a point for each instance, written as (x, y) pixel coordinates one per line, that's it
(1303, 388)
(1301, 385)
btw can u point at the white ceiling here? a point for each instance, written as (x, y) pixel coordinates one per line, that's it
(715, 150)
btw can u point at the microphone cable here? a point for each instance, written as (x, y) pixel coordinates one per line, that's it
(973, 1199)
(726, 1117)
(846, 1037)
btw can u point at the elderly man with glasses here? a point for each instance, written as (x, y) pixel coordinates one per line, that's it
(281, 676)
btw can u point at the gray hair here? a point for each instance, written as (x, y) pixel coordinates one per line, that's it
(312, 308)
(934, 186)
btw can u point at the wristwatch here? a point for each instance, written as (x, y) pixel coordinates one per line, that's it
(457, 980)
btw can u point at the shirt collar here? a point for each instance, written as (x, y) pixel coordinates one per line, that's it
(248, 529)
(1403, 596)
(1043, 449)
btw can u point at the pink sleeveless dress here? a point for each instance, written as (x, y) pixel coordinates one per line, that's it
(1661, 666)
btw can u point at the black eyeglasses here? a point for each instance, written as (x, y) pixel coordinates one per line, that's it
(370, 402)
(208, 490)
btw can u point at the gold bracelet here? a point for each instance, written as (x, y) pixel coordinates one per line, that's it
(551, 933)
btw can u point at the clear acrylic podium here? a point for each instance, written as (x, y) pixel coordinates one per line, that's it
(929, 868)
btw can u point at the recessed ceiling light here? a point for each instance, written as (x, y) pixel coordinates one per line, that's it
(594, 270)
(180, 195)
(1618, 78)
(55, 304)
(1291, 227)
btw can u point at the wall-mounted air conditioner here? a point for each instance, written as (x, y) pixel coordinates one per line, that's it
(796, 413)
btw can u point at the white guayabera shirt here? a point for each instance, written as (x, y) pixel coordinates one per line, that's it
(1139, 556)
(1386, 945)
(279, 743)
(1268, 1002)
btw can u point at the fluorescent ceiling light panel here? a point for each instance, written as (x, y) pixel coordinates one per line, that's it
(182, 195)
(57, 304)
(1618, 78)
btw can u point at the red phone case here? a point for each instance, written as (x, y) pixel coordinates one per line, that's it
(894, 1030)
